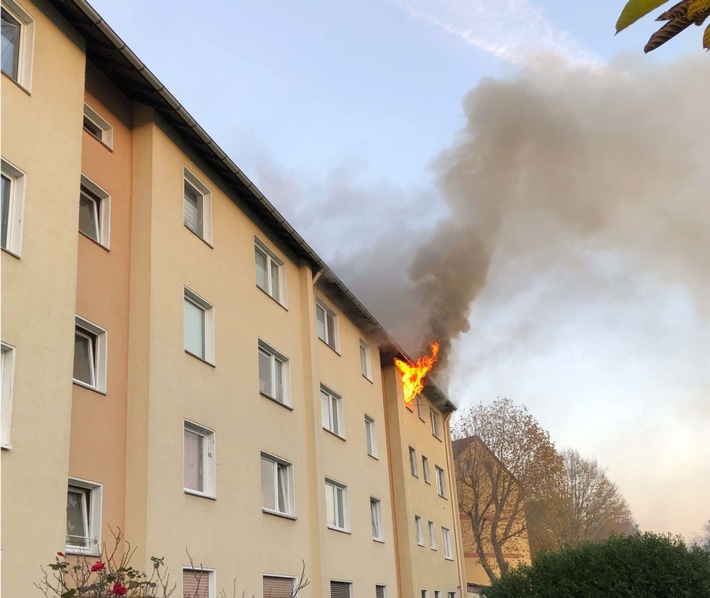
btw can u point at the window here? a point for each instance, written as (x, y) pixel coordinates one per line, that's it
(446, 536)
(380, 592)
(199, 583)
(425, 593)
(199, 326)
(17, 40)
(376, 519)
(337, 508)
(432, 535)
(83, 517)
(419, 530)
(94, 212)
(413, 462)
(437, 594)
(270, 272)
(12, 195)
(327, 323)
(274, 374)
(7, 371)
(332, 412)
(89, 355)
(440, 481)
(199, 461)
(276, 485)
(370, 436)
(340, 589)
(97, 127)
(420, 408)
(365, 364)
(425, 469)
(197, 207)
(435, 423)
(277, 586)
(452, 594)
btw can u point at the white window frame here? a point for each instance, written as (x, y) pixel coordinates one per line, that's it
(7, 369)
(413, 465)
(274, 356)
(105, 134)
(365, 360)
(370, 436)
(425, 469)
(211, 579)
(208, 331)
(335, 486)
(16, 202)
(103, 219)
(435, 423)
(209, 475)
(420, 407)
(440, 481)
(384, 589)
(419, 530)
(26, 45)
(348, 583)
(339, 419)
(289, 490)
(93, 516)
(432, 535)
(446, 541)
(279, 295)
(205, 233)
(293, 579)
(376, 519)
(98, 356)
(333, 343)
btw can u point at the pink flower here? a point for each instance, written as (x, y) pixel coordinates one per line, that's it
(97, 566)
(118, 589)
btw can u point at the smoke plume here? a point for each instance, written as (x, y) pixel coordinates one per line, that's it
(558, 163)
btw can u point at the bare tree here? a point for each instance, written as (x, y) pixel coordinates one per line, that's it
(590, 505)
(503, 458)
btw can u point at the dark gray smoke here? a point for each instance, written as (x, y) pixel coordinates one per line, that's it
(557, 163)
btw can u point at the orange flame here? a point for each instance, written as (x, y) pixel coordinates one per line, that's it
(413, 374)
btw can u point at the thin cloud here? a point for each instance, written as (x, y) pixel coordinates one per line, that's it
(513, 30)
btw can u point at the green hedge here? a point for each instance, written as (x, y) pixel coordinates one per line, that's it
(640, 566)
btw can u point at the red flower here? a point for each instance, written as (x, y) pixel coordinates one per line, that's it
(61, 554)
(118, 589)
(97, 566)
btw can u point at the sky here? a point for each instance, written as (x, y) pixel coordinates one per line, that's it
(380, 127)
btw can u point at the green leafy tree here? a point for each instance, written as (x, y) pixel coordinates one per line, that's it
(678, 18)
(638, 566)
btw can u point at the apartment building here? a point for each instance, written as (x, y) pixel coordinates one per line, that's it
(178, 363)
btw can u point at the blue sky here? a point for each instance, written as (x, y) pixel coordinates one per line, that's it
(338, 111)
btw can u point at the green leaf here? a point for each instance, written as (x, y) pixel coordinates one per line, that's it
(634, 10)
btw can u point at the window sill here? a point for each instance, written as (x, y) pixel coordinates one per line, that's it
(199, 494)
(433, 549)
(101, 141)
(378, 540)
(333, 349)
(420, 545)
(95, 242)
(12, 253)
(368, 378)
(273, 400)
(89, 387)
(437, 437)
(373, 457)
(274, 299)
(202, 359)
(200, 237)
(427, 482)
(448, 558)
(334, 434)
(444, 497)
(342, 530)
(6, 447)
(22, 87)
(277, 514)
(82, 551)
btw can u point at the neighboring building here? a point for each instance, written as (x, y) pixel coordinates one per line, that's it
(477, 471)
(178, 363)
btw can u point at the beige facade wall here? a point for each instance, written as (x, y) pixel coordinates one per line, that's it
(130, 438)
(41, 135)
